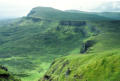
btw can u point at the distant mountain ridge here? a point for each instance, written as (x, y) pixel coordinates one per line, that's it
(113, 15)
(51, 13)
(74, 11)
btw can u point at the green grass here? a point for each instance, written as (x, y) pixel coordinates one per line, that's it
(54, 14)
(101, 62)
(29, 49)
(29, 45)
(103, 66)
(6, 76)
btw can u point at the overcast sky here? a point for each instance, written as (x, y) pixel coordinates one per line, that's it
(18, 8)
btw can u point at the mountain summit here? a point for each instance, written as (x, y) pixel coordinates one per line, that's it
(54, 14)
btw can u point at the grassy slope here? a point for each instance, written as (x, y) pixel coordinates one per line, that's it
(6, 76)
(100, 67)
(19, 49)
(28, 46)
(100, 63)
(114, 15)
(51, 13)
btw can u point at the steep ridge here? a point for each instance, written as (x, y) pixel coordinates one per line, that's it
(101, 59)
(86, 67)
(50, 13)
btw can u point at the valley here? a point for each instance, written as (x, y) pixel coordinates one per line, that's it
(54, 45)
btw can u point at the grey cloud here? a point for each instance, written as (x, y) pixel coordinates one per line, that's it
(108, 7)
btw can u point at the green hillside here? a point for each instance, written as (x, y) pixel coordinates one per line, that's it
(50, 13)
(113, 15)
(30, 44)
(110, 15)
(5, 75)
(100, 62)
(103, 66)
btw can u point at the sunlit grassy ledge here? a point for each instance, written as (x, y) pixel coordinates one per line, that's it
(104, 66)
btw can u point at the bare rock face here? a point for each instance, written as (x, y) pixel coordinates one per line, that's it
(4, 68)
(73, 23)
(87, 45)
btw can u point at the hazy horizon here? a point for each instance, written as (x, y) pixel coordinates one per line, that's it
(15, 8)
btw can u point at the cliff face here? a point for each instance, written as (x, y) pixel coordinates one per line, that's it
(85, 68)
(73, 23)
(100, 62)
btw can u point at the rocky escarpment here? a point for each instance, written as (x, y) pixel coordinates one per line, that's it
(101, 57)
(85, 68)
(73, 23)
(86, 46)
